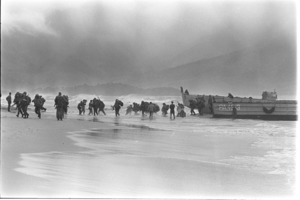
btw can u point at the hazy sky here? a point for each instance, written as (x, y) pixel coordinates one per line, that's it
(84, 38)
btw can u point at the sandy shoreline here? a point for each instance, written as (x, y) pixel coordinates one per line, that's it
(29, 136)
(127, 175)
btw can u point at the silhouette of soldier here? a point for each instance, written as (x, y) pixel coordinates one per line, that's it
(8, 99)
(57, 99)
(38, 105)
(172, 110)
(91, 107)
(151, 110)
(117, 107)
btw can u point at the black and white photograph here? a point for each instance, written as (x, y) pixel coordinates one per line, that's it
(148, 99)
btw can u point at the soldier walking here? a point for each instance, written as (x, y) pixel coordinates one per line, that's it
(8, 99)
(172, 110)
(91, 107)
(38, 105)
(151, 110)
(117, 106)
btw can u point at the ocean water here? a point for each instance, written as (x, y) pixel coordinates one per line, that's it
(140, 157)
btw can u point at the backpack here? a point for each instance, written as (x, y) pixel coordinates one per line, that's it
(37, 102)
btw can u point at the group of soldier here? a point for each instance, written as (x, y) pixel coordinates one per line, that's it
(22, 101)
(199, 104)
(96, 106)
(149, 107)
(61, 102)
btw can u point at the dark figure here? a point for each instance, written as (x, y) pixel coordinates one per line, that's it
(42, 103)
(172, 110)
(91, 107)
(81, 107)
(25, 102)
(180, 110)
(95, 106)
(200, 104)
(210, 104)
(165, 109)
(98, 106)
(129, 110)
(230, 95)
(186, 92)
(102, 106)
(65, 103)
(24, 106)
(181, 89)
(38, 105)
(193, 105)
(136, 107)
(117, 106)
(234, 112)
(60, 105)
(151, 108)
(17, 101)
(8, 99)
(143, 107)
(57, 99)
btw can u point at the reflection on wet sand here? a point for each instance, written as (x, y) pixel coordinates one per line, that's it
(136, 160)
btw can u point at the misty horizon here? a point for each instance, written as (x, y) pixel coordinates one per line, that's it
(150, 44)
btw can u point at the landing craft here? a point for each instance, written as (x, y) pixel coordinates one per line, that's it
(267, 108)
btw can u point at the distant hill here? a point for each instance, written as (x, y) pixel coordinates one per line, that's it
(246, 72)
(110, 89)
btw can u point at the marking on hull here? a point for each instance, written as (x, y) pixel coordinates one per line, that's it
(228, 107)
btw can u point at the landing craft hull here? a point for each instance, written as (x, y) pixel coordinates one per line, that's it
(266, 110)
(246, 108)
(187, 97)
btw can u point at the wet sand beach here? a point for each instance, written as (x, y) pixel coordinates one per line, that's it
(133, 157)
